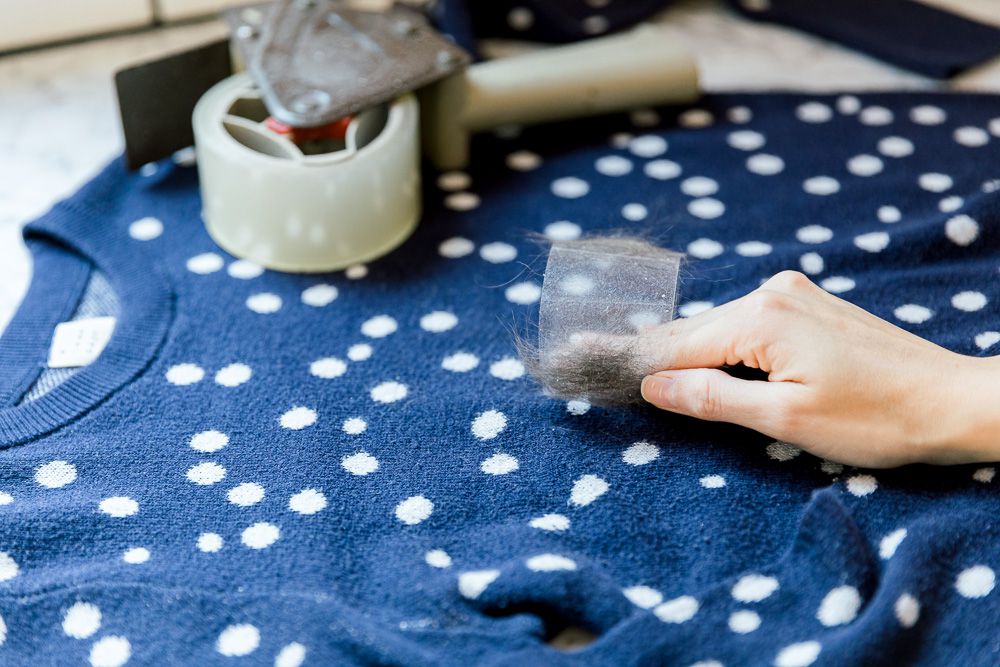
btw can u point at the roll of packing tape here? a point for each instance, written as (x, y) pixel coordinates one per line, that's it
(305, 208)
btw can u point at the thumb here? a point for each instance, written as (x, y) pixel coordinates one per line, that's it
(714, 395)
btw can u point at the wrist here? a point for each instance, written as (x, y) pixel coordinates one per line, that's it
(963, 419)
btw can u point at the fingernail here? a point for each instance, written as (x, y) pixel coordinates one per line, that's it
(656, 390)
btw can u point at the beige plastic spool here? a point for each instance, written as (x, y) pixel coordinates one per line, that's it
(266, 200)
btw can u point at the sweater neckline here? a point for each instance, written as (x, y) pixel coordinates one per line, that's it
(67, 245)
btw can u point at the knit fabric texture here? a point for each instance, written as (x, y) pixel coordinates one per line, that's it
(352, 468)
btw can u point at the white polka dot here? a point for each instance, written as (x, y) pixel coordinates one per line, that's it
(864, 165)
(243, 269)
(994, 127)
(551, 522)
(862, 485)
(438, 321)
(119, 506)
(55, 474)
(233, 375)
(889, 214)
(716, 663)
(739, 115)
(839, 607)
(926, 114)
(523, 293)
(205, 473)
(205, 263)
(563, 230)
(298, 418)
(814, 234)
(814, 112)
(984, 475)
(354, 425)
(975, 582)
(462, 201)
(319, 295)
(754, 588)
(6, 498)
(361, 464)
(907, 610)
(595, 25)
(379, 326)
(962, 230)
(507, 368)
(950, 204)
(307, 501)
(848, 104)
(290, 655)
(613, 165)
(620, 139)
(451, 181)
(969, 301)
(472, 584)
(782, 451)
(389, 392)
(640, 454)
(136, 556)
(8, 567)
(677, 610)
(872, 242)
(699, 186)
(643, 596)
(895, 147)
(987, 339)
(359, 352)
(587, 489)
(145, 229)
(437, 558)
(328, 368)
(648, 146)
(875, 116)
(209, 441)
(81, 620)
(888, 544)
(821, 185)
(456, 247)
(260, 535)
(184, 374)
(802, 654)
(753, 249)
(489, 424)
(550, 563)
(706, 208)
(704, 248)
(912, 313)
(811, 263)
(149, 169)
(837, 284)
(356, 272)
(935, 182)
(246, 494)
(460, 362)
(498, 252)
(692, 308)
(264, 303)
(185, 157)
(695, 118)
(414, 509)
(744, 621)
(577, 407)
(765, 164)
(973, 137)
(634, 212)
(210, 543)
(712, 481)
(662, 170)
(520, 18)
(524, 161)
(576, 285)
(570, 187)
(110, 651)
(745, 140)
(238, 640)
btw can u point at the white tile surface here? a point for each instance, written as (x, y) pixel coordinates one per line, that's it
(59, 125)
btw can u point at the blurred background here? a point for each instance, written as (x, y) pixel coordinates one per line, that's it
(59, 122)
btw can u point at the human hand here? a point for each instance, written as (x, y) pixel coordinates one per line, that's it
(842, 383)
